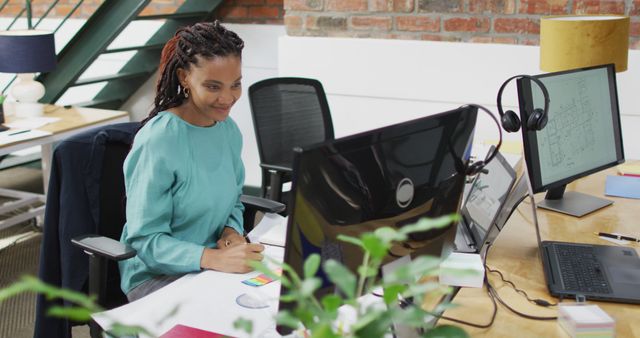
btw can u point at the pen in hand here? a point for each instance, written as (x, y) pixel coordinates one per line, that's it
(618, 237)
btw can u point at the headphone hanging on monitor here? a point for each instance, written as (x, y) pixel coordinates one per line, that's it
(478, 166)
(537, 119)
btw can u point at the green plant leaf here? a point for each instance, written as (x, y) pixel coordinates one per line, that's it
(448, 331)
(375, 323)
(263, 268)
(422, 288)
(376, 247)
(331, 303)
(367, 271)
(352, 240)
(425, 224)
(295, 279)
(412, 316)
(80, 314)
(391, 292)
(323, 330)
(424, 263)
(290, 297)
(445, 306)
(389, 234)
(119, 330)
(243, 324)
(311, 265)
(32, 284)
(284, 317)
(344, 279)
(308, 286)
(305, 316)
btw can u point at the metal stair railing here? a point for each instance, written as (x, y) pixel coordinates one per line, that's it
(95, 36)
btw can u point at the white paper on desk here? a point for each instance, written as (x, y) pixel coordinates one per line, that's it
(205, 300)
(271, 230)
(32, 122)
(6, 137)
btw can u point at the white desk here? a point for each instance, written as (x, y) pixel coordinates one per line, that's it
(71, 121)
(206, 300)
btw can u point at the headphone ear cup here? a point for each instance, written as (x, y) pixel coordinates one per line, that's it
(537, 120)
(510, 121)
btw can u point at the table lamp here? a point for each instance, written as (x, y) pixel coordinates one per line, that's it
(576, 41)
(26, 52)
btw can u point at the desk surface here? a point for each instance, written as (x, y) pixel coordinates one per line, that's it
(515, 254)
(75, 117)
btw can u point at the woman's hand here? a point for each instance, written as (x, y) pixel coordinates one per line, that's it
(234, 258)
(229, 238)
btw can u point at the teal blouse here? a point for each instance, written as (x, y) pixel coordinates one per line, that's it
(183, 185)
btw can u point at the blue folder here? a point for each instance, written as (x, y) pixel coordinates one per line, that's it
(623, 186)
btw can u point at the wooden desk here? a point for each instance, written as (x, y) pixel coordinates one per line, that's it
(72, 121)
(515, 254)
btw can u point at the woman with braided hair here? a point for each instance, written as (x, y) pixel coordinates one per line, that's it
(184, 174)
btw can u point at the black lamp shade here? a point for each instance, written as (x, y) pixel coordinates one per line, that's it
(27, 51)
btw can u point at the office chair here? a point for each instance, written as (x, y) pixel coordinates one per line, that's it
(103, 195)
(287, 112)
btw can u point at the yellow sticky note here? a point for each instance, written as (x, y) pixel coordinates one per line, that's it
(627, 168)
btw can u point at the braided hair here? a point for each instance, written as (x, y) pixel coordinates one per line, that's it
(205, 39)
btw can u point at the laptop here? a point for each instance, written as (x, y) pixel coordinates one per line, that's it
(484, 202)
(597, 272)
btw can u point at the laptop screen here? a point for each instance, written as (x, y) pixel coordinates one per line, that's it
(486, 197)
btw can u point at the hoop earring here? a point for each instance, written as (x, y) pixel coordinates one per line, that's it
(186, 93)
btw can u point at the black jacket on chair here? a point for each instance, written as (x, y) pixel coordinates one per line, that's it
(73, 209)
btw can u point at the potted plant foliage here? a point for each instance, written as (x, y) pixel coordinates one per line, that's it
(345, 314)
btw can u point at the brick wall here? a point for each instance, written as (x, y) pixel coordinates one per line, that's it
(483, 21)
(232, 11)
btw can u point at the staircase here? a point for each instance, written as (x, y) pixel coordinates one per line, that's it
(94, 38)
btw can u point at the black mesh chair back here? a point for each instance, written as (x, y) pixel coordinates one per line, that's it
(287, 112)
(113, 214)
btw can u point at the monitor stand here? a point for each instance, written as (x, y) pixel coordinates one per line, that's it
(572, 202)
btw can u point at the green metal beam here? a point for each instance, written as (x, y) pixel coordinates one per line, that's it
(176, 16)
(119, 76)
(93, 38)
(147, 57)
(134, 48)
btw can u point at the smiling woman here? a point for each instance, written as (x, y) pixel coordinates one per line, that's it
(211, 88)
(184, 174)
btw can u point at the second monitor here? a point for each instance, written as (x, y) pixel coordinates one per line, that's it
(583, 134)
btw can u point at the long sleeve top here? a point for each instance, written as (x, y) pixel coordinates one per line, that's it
(183, 185)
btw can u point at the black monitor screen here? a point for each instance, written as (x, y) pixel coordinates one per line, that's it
(583, 134)
(390, 176)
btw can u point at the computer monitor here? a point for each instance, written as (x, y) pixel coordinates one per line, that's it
(390, 176)
(582, 136)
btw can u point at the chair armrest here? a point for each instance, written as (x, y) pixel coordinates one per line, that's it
(104, 247)
(261, 204)
(274, 167)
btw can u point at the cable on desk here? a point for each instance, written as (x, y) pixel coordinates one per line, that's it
(406, 303)
(480, 326)
(536, 301)
(493, 293)
(521, 314)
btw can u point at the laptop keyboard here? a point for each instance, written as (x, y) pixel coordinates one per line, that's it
(580, 269)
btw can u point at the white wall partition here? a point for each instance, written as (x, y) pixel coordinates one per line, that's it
(372, 83)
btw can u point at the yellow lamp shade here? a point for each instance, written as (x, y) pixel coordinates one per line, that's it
(568, 42)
